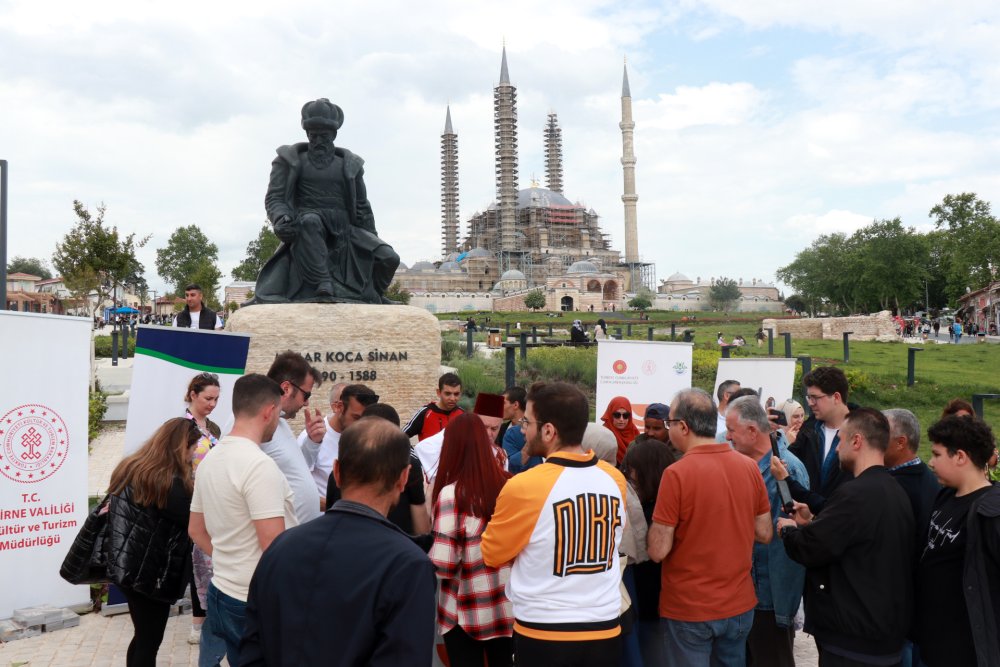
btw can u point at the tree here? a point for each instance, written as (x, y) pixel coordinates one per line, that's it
(397, 292)
(891, 267)
(972, 245)
(640, 302)
(796, 303)
(535, 299)
(724, 293)
(94, 259)
(186, 252)
(258, 252)
(30, 265)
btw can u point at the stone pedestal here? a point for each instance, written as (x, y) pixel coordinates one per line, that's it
(395, 350)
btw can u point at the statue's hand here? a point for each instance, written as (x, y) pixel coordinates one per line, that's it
(284, 229)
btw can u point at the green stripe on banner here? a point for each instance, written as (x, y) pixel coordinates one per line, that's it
(188, 364)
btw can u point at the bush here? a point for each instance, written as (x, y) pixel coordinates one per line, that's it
(479, 375)
(705, 364)
(102, 346)
(569, 364)
(98, 405)
(451, 350)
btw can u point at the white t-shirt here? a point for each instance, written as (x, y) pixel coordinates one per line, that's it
(236, 485)
(284, 449)
(321, 464)
(196, 317)
(828, 435)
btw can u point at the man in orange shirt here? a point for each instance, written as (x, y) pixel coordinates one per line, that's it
(711, 507)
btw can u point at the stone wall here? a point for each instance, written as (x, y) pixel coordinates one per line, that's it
(864, 327)
(395, 350)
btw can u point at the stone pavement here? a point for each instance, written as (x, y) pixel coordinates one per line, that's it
(103, 640)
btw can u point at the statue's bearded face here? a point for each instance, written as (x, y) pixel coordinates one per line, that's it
(321, 146)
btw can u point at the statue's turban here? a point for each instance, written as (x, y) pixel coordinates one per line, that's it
(322, 114)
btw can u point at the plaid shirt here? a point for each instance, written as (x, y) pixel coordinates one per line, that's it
(472, 594)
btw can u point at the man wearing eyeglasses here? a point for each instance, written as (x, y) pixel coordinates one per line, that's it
(711, 507)
(297, 380)
(816, 443)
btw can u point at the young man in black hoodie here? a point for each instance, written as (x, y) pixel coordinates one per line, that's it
(858, 553)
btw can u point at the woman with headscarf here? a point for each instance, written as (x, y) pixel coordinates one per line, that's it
(576, 333)
(618, 419)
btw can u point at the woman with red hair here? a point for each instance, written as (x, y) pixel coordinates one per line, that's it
(618, 419)
(474, 615)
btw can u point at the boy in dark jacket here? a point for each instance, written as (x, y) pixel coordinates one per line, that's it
(858, 553)
(959, 571)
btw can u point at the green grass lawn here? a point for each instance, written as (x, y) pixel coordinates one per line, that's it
(877, 370)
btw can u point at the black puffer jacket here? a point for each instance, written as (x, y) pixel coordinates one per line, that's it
(148, 548)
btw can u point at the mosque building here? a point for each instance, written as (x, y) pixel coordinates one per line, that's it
(532, 238)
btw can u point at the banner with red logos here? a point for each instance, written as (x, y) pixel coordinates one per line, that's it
(644, 372)
(43, 455)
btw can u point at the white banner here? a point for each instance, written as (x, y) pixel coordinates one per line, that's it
(771, 378)
(166, 359)
(43, 455)
(643, 372)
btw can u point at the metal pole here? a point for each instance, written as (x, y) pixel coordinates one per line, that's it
(509, 365)
(125, 341)
(3, 233)
(468, 343)
(911, 364)
(770, 342)
(788, 345)
(534, 333)
(618, 330)
(673, 331)
(725, 351)
(524, 345)
(550, 331)
(114, 347)
(977, 403)
(649, 333)
(508, 331)
(628, 330)
(847, 347)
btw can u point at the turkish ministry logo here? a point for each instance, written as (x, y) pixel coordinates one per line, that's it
(33, 442)
(649, 367)
(619, 367)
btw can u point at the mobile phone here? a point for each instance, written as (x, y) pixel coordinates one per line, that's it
(780, 418)
(787, 504)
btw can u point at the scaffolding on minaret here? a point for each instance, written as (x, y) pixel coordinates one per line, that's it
(505, 128)
(553, 155)
(449, 189)
(641, 274)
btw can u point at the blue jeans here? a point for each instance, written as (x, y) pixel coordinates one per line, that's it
(721, 643)
(226, 618)
(211, 648)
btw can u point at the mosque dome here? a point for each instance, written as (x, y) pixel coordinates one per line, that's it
(583, 266)
(450, 266)
(422, 266)
(478, 252)
(540, 198)
(401, 267)
(512, 274)
(678, 278)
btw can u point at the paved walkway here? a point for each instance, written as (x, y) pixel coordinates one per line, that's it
(101, 641)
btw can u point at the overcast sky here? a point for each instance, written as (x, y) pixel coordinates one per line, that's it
(759, 125)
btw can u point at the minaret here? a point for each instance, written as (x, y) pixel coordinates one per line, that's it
(553, 155)
(628, 167)
(449, 188)
(505, 128)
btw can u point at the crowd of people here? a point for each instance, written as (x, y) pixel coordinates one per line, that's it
(522, 533)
